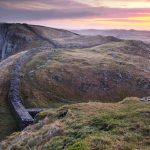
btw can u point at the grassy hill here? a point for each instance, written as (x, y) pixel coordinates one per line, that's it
(54, 77)
(72, 69)
(87, 126)
(109, 72)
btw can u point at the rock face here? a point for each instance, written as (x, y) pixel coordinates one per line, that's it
(11, 41)
(18, 37)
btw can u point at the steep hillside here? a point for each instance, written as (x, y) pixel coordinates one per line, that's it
(87, 126)
(123, 34)
(15, 38)
(18, 37)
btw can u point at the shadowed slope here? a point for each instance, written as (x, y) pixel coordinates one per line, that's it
(19, 37)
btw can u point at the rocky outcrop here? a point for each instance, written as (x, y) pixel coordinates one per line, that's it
(2, 41)
(18, 37)
(11, 40)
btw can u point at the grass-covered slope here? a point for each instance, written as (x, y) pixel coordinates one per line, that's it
(54, 77)
(88, 126)
(109, 72)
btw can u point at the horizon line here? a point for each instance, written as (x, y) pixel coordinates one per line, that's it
(76, 28)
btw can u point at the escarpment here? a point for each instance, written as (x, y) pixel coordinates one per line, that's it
(15, 38)
(12, 41)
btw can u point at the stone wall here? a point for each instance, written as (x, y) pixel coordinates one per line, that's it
(22, 114)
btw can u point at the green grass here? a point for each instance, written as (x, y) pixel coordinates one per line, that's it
(82, 75)
(76, 75)
(91, 126)
(128, 128)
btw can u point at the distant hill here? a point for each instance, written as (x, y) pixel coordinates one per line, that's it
(123, 34)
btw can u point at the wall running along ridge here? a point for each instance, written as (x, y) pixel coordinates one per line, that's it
(22, 114)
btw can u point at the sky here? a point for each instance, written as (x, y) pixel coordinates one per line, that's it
(78, 14)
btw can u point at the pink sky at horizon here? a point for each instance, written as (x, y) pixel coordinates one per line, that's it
(79, 14)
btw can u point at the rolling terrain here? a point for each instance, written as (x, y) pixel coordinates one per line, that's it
(15, 38)
(109, 72)
(122, 34)
(68, 68)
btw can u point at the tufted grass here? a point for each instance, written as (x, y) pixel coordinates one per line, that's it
(91, 126)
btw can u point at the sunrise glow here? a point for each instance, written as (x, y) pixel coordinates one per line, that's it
(79, 14)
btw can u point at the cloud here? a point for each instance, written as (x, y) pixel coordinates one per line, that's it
(45, 4)
(29, 10)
